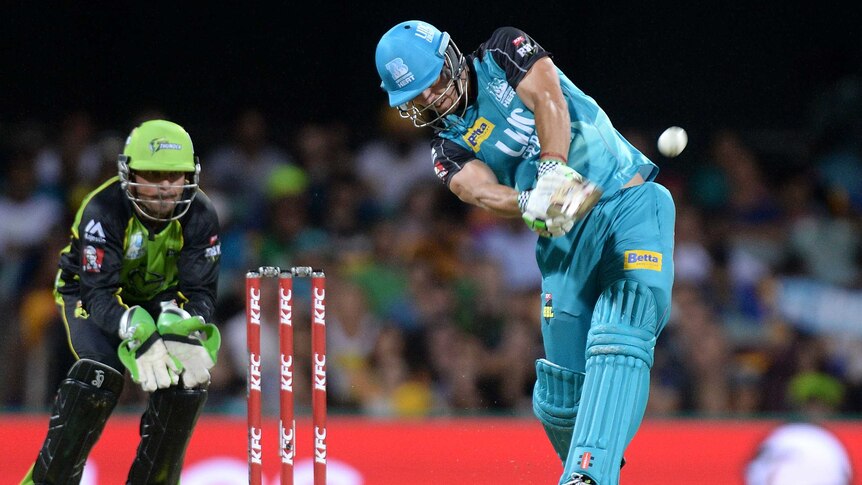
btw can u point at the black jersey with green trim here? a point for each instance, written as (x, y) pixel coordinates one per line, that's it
(115, 259)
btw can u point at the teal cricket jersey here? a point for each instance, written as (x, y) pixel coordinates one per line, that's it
(498, 129)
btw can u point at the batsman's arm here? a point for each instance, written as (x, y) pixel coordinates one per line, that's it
(476, 184)
(541, 92)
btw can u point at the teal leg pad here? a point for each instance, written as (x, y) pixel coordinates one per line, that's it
(620, 347)
(555, 402)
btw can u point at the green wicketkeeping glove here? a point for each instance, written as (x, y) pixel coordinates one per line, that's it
(143, 352)
(192, 341)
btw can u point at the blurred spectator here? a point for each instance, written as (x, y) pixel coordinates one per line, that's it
(693, 263)
(398, 160)
(766, 302)
(238, 168)
(351, 335)
(289, 238)
(75, 159)
(512, 245)
(27, 219)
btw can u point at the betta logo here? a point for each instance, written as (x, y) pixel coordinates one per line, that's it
(163, 144)
(641, 259)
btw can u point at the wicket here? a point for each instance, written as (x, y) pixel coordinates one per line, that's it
(287, 423)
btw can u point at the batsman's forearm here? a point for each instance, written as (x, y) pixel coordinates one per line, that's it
(498, 199)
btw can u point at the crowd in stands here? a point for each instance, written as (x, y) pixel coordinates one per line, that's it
(433, 306)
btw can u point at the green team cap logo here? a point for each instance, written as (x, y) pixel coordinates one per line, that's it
(160, 145)
(163, 144)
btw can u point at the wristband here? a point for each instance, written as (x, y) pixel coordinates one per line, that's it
(522, 200)
(553, 156)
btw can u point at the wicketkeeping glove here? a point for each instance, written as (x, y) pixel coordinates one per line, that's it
(190, 340)
(143, 352)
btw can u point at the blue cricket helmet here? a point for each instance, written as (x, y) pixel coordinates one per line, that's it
(409, 59)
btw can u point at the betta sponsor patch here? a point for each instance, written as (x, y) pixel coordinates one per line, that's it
(642, 259)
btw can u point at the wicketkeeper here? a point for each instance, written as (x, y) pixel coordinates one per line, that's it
(136, 288)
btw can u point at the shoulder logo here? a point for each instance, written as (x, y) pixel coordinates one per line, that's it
(93, 232)
(479, 132)
(641, 259)
(214, 250)
(524, 47)
(92, 259)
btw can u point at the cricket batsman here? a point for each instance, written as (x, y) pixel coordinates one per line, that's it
(513, 135)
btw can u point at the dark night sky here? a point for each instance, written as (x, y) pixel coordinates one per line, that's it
(689, 63)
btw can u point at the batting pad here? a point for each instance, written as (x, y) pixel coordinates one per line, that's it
(555, 403)
(619, 354)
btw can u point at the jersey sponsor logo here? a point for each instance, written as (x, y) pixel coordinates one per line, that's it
(522, 132)
(136, 246)
(641, 259)
(157, 144)
(214, 251)
(501, 91)
(93, 232)
(479, 132)
(92, 259)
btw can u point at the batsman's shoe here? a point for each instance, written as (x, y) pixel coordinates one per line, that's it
(579, 480)
(190, 340)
